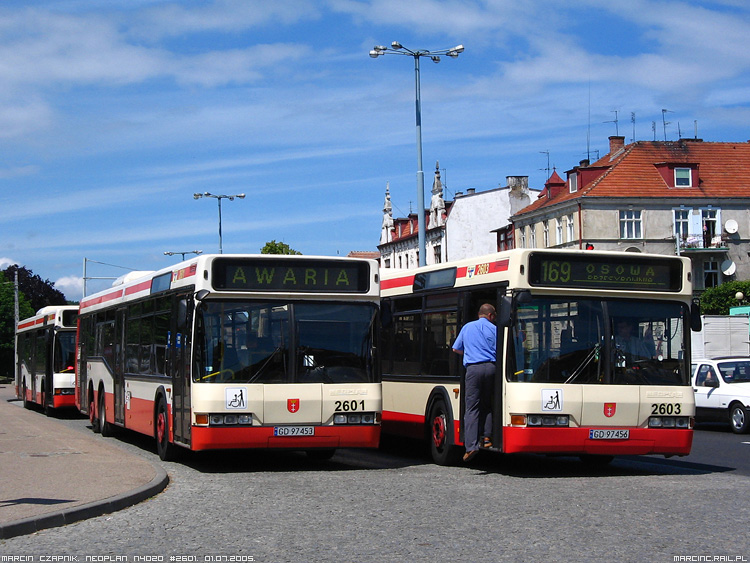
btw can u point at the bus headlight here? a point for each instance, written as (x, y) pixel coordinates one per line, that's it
(352, 418)
(221, 419)
(682, 422)
(546, 420)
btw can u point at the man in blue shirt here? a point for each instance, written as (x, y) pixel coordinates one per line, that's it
(476, 343)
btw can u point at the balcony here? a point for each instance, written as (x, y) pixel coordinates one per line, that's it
(697, 243)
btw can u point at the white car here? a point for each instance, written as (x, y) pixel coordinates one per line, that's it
(722, 391)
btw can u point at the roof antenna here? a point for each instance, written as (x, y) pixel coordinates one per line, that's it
(632, 120)
(547, 169)
(665, 123)
(617, 127)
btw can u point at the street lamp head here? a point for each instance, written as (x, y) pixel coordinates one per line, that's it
(375, 53)
(197, 196)
(458, 49)
(396, 45)
(241, 196)
(435, 59)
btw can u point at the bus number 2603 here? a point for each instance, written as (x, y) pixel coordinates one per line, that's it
(347, 406)
(666, 408)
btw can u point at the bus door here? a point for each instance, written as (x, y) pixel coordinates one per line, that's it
(178, 343)
(472, 301)
(118, 369)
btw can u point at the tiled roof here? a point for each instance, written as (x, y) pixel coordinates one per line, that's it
(723, 170)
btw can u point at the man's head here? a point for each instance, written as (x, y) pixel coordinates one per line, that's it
(487, 311)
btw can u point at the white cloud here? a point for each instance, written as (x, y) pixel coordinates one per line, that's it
(71, 286)
(5, 262)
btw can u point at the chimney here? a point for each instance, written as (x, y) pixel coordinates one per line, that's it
(470, 191)
(584, 163)
(616, 144)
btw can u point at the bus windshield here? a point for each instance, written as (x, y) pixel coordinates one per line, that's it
(284, 342)
(595, 341)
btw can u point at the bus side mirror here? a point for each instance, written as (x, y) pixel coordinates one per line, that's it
(504, 311)
(695, 316)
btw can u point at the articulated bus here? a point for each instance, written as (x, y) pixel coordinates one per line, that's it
(236, 351)
(45, 364)
(565, 381)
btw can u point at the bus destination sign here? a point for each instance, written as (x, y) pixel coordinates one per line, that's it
(629, 272)
(305, 275)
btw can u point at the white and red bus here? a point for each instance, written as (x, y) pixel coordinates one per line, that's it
(565, 383)
(45, 365)
(236, 351)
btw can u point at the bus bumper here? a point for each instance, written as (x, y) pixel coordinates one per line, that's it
(67, 400)
(642, 441)
(326, 437)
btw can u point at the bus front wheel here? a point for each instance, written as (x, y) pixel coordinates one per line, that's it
(165, 449)
(104, 426)
(441, 436)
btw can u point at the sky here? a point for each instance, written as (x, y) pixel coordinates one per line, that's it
(113, 113)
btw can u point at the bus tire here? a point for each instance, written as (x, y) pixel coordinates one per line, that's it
(92, 413)
(167, 451)
(442, 450)
(26, 403)
(104, 427)
(46, 407)
(739, 418)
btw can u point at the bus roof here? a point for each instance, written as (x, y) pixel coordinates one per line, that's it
(49, 315)
(199, 273)
(521, 269)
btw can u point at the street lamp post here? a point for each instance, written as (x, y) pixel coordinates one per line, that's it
(397, 49)
(219, 198)
(169, 253)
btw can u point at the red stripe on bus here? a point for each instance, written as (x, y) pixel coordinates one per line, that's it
(101, 299)
(642, 441)
(209, 438)
(185, 272)
(397, 282)
(138, 287)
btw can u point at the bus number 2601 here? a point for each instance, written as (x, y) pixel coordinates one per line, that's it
(347, 406)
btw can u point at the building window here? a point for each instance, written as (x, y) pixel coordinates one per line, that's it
(571, 229)
(682, 224)
(683, 177)
(545, 234)
(437, 254)
(532, 236)
(711, 233)
(710, 274)
(630, 224)
(573, 182)
(559, 236)
(522, 237)
(387, 263)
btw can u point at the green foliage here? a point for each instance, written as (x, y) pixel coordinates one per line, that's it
(718, 300)
(274, 247)
(7, 323)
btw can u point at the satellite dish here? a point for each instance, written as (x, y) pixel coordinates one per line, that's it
(731, 226)
(728, 267)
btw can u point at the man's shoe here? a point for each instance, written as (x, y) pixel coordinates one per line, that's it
(487, 443)
(468, 456)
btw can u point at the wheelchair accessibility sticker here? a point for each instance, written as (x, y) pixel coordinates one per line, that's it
(552, 400)
(236, 398)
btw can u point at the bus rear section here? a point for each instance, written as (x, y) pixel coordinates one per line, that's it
(45, 368)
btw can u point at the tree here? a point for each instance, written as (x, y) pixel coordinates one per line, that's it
(717, 300)
(38, 292)
(7, 323)
(274, 247)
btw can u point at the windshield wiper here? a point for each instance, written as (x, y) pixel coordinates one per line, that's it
(586, 361)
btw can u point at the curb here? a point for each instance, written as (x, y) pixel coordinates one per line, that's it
(88, 510)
